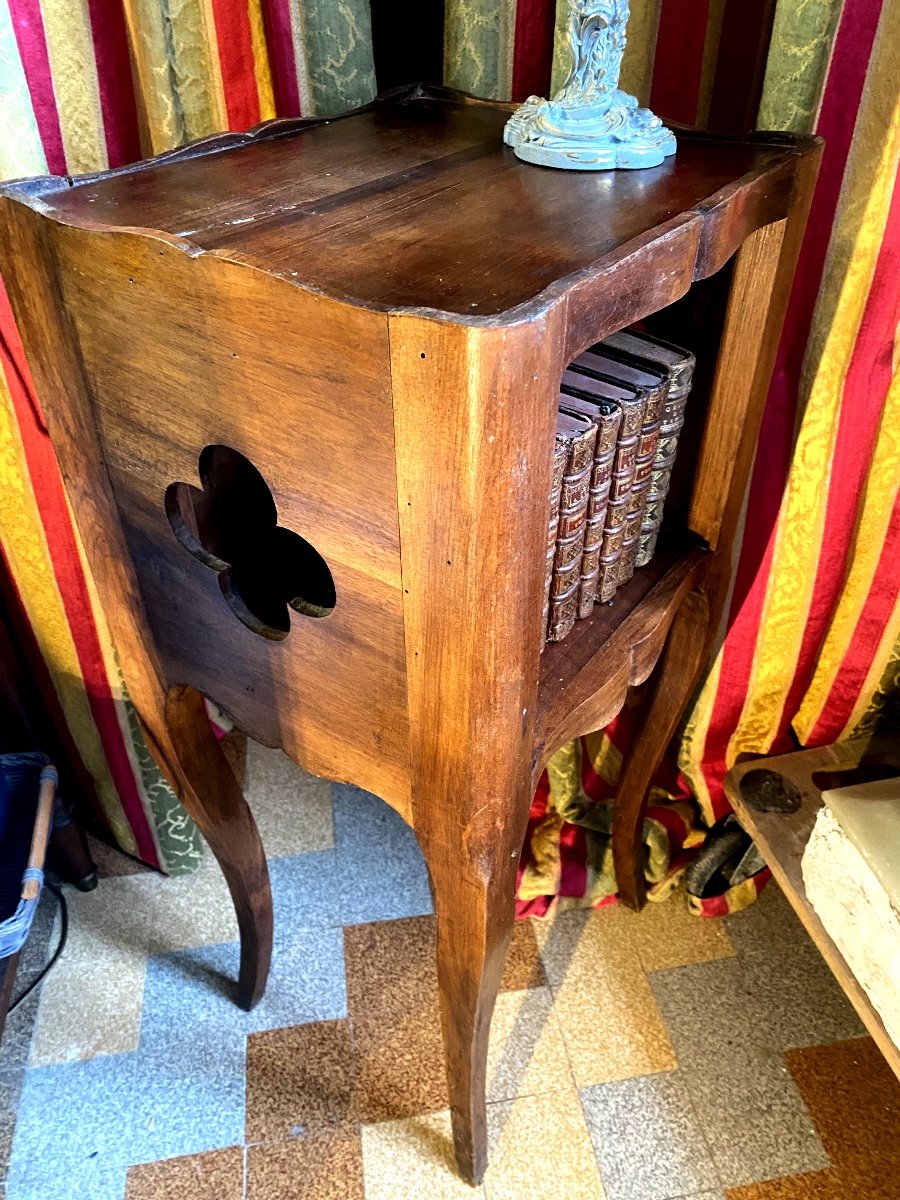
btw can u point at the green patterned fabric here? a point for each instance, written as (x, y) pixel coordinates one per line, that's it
(337, 41)
(478, 46)
(802, 38)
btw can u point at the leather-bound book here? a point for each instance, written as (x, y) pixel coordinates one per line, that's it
(560, 455)
(593, 365)
(641, 372)
(578, 433)
(679, 364)
(600, 399)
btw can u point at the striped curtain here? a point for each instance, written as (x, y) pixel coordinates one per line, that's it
(810, 647)
(91, 84)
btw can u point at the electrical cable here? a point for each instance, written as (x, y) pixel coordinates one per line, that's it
(60, 946)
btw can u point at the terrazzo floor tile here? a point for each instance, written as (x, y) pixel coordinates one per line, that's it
(193, 990)
(609, 1019)
(413, 1159)
(322, 1165)
(755, 1122)
(523, 968)
(527, 1054)
(91, 1001)
(541, 1148)
(393, 1006)
(383, 873)
(804, 1003)
(10, 1091)
(299, 1079)
(854, 1098)
(666, 935)
(820, 1185)
(306, 891)
(77, 1131)
(292, 807)
(217, 1175)
(647, 1139)
(751, 1113)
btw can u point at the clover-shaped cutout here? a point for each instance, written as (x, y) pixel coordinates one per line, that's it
(231, 525)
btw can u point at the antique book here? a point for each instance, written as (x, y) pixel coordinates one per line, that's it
(641, 372)
(679, 364)
(595, 365)
(600, 399)
(560, 454)
(579, 435)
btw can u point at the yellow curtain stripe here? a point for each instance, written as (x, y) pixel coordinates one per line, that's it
(882, 674)
(640, 50)
(26, 550)
(691, 751)
(70, 48)
(878, 506)
(155, 82)
(195, 60)
(855, 245)
(261, 68)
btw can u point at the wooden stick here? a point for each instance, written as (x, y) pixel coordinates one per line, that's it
(41, 834)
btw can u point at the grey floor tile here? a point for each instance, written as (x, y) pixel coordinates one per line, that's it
(711, 1014)
(383, 874)
(10, 1091)
(755, 1122)
(803, 1002)
(726, 1042)
(647, 1139)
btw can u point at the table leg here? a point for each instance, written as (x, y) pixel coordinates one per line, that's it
(474, 896)
(213, 798)
(675, 678)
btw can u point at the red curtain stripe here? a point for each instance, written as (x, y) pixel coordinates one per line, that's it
(50, 497)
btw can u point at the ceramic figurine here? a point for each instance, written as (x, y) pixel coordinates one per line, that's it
(590, 125)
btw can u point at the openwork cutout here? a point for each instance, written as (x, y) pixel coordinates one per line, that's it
(232, 527)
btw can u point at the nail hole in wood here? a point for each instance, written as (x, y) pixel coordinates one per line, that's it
(231, 526)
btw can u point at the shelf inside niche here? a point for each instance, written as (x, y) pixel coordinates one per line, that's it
(578, 690)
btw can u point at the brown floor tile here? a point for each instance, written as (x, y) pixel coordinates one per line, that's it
(523, 962)
(819, 1185)
(299, 1079)
(218, 1175)
(325, 1165)
(393, 1006)
(854, 1100)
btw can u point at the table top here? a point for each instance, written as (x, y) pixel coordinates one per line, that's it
(412, 203)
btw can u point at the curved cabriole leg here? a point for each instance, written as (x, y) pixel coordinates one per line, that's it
(214, 800)
(675, 678)
(474, 899)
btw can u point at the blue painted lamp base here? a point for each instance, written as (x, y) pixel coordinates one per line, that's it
(553, 133)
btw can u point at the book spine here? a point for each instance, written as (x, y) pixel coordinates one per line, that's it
(648, 443)
(575, 494)
(619, 497)
(560, 455)
(598, 502)
(671, 423)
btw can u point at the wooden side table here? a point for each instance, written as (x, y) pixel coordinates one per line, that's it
(356, 329)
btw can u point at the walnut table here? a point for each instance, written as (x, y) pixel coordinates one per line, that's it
(302, 386)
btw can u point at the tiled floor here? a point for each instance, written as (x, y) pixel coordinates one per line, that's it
(650, 1057)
